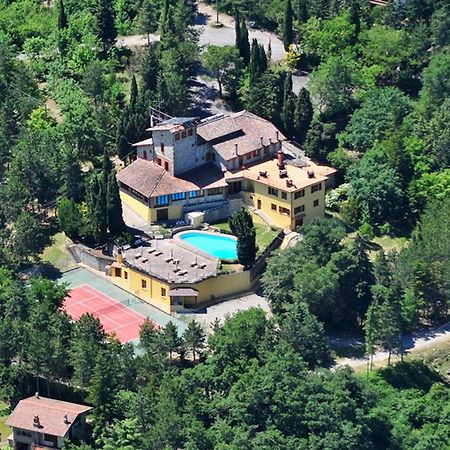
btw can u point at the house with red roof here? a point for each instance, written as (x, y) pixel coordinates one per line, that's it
(44, 423)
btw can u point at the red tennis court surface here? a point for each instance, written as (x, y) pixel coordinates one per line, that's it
(113, 315)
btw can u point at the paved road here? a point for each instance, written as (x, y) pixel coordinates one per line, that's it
(412, 343)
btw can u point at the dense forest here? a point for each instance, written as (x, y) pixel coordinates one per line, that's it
(376, 107)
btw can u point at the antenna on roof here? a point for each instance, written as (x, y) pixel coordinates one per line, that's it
(36, 394)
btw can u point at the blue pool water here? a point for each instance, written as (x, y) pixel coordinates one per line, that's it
(218, 245)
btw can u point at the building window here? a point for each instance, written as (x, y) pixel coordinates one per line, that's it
(125, 274)
(299, 209)
(177, 136)
(162, 148)
(316, 187)
(145, 154)
(283, 195)
(248, 156)
(179, 196)
(299, 194)
(183, 134)
(144, 284)
(166, 165)
(272, 191)
(163, 292)
(158, 161)
(162, 200)
(284, 211)
(194, 194)
(316, 203)
(215, 191)
(189, 132)
(255, 153)
(274, 207)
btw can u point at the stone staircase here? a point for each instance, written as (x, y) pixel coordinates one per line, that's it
(262, 215)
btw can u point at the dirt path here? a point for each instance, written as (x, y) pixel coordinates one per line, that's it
(412, 343)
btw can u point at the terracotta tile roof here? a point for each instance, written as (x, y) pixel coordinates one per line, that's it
(50, 412)
(243, 128)
(148, 178)
(298, 175)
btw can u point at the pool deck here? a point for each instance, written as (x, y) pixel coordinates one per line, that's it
(80, 276)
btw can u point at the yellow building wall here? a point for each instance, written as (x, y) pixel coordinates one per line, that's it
(175, 212)
(311, 211)
(208, 290)
(137, 206)
(222, 286)
(152, 294)
(260, 192)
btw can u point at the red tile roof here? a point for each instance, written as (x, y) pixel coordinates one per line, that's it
(50, 412)
(243, 128)
(147, 178)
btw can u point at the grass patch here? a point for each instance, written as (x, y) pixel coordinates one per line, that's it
(5, 431)
(57, 255)
(264, 234)
(390, 243)
(436, 357)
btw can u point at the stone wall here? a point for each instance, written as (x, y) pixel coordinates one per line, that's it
(90, 257)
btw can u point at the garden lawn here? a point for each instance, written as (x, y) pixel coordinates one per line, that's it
(264, 233)
(5, 431)
(57, 255)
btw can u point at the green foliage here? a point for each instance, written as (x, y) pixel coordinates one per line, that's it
(381, 111)
(194, 339)
(241, 225)
(225, 65)
(287, 25)
(69, 217)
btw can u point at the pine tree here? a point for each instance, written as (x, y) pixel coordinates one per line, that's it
(102, 392)
(313, 140)
(105, 27)
(194, 338)
(303, 115)
(170, 339)
(288, 25)
(355, 20)
(114, 206)
(62, 18)
(258, 61)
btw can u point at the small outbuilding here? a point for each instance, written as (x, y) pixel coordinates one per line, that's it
(40, 422)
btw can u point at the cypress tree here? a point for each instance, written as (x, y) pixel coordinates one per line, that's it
(287, 115)
(303, 115)
(287, 87)
(115, 220)
(105, 27)
(302, 11)
(241, 225)
(263, 63)
(288, 25)
(62, 18)
(133, 92)
(106, 169)
(237, 28)
(150, 69)
(355, 20)
(96, 202)
(244, 46)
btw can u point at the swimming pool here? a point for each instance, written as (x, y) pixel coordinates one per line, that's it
(218, 245)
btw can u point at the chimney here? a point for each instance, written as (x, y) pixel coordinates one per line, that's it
(262, 141)
(66, 419)
(277, 135)
(280, 159)
(236, 149)
(36, 394)
(36, 422)
(270, 141)
(119, 257)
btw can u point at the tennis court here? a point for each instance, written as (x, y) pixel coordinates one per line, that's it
(113, 315)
